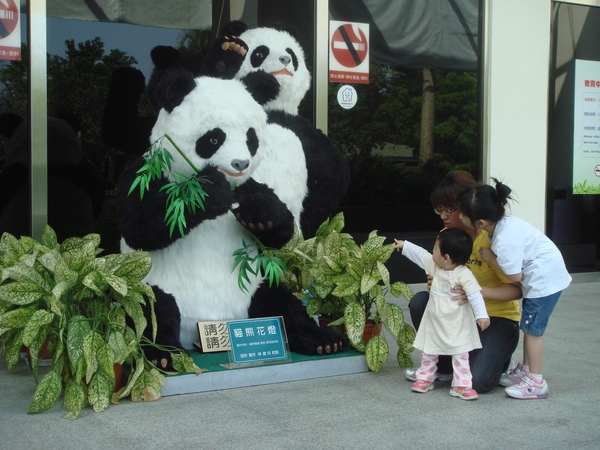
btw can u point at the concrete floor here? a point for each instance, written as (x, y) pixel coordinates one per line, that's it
(354, 411)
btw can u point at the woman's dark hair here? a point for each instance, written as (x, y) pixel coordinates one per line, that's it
(455, 243)
(448, 191)
(485, 202)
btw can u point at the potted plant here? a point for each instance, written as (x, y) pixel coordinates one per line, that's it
(348, 282)
(88, 310)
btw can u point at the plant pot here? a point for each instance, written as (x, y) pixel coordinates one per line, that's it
(118, 376)
(45, 358)
(371, 329)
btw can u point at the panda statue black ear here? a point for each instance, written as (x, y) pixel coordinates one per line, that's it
(234, 28)
(163, 56)
(173, 87)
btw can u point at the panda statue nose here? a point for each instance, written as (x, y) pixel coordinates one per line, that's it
(240, 164)
(285, 60)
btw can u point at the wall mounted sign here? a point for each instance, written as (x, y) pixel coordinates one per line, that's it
(348, 52)
(347, 96)
(586, 128)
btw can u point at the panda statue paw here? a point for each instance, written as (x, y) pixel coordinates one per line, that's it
(225, 57)
(320, 341)
(233, 44)
(264, 214)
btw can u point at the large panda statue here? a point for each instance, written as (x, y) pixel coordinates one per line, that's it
(221, 129)
(302, 165)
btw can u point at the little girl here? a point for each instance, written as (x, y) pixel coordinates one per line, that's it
(446, 327)
(527, 256)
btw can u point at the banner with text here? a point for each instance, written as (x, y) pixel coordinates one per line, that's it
(586, 128)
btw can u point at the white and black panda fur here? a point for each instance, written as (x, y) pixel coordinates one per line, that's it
(302, 165)
(220, 128)
(197, 269)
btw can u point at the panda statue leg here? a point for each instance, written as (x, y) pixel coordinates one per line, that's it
(167, 333)
(304, 335)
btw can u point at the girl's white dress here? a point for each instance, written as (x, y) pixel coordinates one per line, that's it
(446, 327)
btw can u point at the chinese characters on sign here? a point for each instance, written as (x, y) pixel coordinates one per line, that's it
(214, 336)
(586, 128)
(257, 340)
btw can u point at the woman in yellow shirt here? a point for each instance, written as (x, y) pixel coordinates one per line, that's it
(501, 295)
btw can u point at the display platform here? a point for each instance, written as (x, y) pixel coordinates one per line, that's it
(301, 367)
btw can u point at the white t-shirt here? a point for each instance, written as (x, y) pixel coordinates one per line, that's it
(520, 247)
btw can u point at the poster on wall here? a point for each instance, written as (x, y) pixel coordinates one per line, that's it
(586, 128)
(10, 30)
(348, 52)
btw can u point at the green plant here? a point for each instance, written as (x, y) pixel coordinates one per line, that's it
(185, 195)
(584, 188)
(89, 311)
(349, 282)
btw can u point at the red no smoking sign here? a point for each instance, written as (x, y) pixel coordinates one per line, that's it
(10, 30)
(349, 52)
(9, 17)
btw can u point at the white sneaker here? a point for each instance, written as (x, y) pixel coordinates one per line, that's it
(411, 375)
(513, 377)
(528, 389)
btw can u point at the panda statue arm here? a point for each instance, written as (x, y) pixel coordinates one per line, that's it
(328, 171)
(263, 213)
(142, 222)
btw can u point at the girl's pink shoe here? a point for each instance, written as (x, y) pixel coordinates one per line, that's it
(464, 393)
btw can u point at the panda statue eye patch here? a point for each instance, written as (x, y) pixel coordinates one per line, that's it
(252, 141)
(294, 58)
(208, 144)
(259, 55)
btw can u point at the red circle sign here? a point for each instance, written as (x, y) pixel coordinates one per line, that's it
(9, 17)
(348, 48)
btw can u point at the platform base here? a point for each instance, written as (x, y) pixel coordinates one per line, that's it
(302, 367)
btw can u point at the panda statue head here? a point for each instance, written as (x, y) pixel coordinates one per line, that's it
(279, 54)
(214, 122)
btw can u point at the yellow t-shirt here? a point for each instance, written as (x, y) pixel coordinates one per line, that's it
(488, 276)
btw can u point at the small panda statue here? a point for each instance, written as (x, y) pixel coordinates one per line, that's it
(220, 128)
(301, 164)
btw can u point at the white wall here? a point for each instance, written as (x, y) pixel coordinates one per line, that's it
(515, 103)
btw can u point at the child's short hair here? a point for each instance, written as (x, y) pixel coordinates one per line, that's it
(455, 243)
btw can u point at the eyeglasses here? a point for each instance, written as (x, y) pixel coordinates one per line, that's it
(446, 212)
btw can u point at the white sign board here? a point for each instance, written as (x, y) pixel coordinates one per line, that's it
(586, 128)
